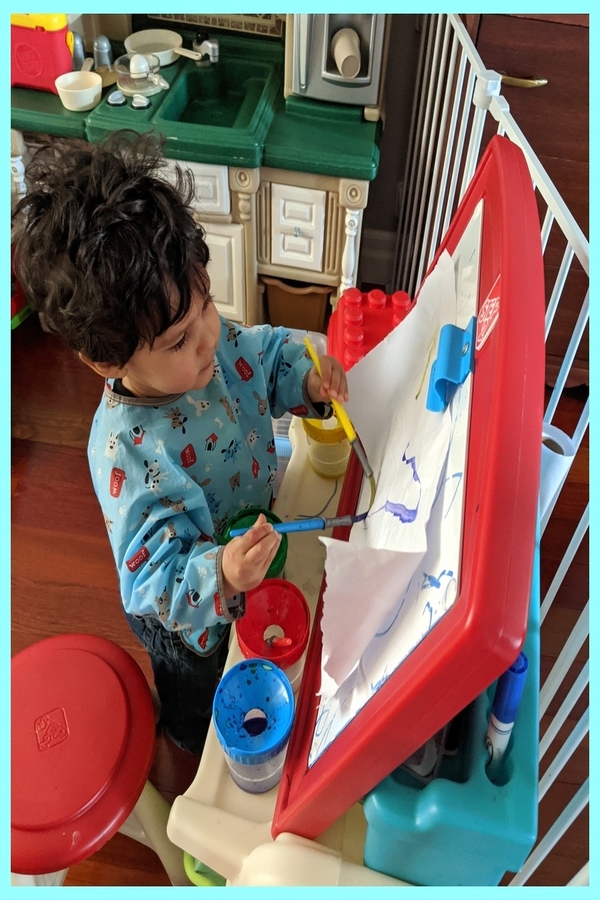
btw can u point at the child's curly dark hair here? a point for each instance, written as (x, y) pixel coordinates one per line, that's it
(108, 249)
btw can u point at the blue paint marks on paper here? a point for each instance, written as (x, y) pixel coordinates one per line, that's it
(402, 512)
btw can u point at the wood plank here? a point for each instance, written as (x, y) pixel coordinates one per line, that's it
(528, 48)
(57, 394)
(554, 118)
(578, 19)
(122, 862)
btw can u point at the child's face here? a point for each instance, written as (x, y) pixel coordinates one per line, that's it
(181, 359)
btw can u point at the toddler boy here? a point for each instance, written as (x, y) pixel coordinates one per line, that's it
(111, 255)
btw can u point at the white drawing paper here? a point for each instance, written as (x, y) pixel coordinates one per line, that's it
(395, 578)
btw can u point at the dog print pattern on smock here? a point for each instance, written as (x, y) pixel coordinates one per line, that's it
(169, 472)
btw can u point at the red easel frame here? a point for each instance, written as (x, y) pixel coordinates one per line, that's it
(483, 632)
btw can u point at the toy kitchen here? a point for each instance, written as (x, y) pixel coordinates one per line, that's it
(279, 118)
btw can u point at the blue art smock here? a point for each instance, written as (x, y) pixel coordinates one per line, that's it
(170, 471)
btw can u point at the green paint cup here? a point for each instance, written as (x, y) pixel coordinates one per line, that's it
(246, 518)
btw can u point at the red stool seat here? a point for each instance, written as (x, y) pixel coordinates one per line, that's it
(82, 743)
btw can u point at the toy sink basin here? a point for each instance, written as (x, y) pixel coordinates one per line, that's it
(219, 113)
(222, 96)
(224, 108)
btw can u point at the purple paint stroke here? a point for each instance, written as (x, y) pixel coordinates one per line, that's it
(412, 462)
(400, 511)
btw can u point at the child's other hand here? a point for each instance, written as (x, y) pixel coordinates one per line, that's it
(246, 558)
(330, 384)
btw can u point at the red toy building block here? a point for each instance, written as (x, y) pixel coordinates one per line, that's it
(361, 320)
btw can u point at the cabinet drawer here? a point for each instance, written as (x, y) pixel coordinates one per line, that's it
(226, 269)
(212, 187)
(297, 227)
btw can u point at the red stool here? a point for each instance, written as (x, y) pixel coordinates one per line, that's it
(82, 743)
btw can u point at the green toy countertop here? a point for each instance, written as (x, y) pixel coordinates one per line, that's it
(265, 129)
(322, 138)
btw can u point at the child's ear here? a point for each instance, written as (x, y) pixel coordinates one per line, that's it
(105, 370)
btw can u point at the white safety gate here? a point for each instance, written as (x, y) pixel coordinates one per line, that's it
(455, 97)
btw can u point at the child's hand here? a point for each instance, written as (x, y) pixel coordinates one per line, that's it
(331, 383)
(247, 558)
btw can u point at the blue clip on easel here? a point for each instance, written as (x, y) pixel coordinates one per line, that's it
(455, 359)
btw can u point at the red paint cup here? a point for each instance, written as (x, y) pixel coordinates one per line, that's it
(276, 610)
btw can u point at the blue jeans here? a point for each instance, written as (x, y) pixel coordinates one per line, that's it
(185, 681)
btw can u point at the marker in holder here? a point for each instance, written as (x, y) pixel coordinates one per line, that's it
(253, 711)
(504, 712)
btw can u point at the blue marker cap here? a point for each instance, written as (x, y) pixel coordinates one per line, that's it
(509, 690)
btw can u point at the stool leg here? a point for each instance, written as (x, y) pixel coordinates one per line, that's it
(50, 879)
(148, 825)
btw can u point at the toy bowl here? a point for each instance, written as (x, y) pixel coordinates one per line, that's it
(79, 91)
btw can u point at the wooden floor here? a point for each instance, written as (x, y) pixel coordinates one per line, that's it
(64, 580)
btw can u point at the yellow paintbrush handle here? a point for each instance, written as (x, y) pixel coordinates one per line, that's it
(340, 413)
(344, 420)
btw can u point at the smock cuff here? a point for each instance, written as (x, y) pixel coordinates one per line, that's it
(313, 410)
(231, 608)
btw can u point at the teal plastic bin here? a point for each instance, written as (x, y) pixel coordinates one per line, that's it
(460, 828)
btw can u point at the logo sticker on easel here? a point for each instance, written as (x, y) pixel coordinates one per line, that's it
(488, 315)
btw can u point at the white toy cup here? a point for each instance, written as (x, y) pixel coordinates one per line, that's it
(79, 91)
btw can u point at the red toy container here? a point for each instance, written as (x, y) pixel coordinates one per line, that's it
(82, 742)
(41, 49)
(361, 320)
(276, 609)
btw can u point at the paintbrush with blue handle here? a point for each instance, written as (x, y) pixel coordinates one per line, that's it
(316, 524)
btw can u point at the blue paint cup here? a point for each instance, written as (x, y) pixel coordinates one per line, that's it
(253, 712)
